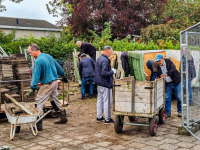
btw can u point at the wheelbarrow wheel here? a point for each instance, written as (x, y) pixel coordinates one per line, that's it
(162, 115)
(153, 126)
(131, 119)
(17, 130)
(118, 125)
(53, 114)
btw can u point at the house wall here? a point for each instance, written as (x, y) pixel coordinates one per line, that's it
(37, 34)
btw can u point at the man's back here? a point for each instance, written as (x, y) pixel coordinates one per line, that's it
(86, 67)
(103, 72)
(46, 69)
(89, 49)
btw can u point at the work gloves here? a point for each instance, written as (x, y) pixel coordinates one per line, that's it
(64, 80)
(114, 70)
(28, 93)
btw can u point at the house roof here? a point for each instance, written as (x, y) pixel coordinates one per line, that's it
(27, 24)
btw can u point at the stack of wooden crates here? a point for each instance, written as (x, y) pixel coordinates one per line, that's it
(6, 74)
(21, 72)
(15, 68)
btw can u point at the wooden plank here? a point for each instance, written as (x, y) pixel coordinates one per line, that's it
(7, 69)
(123, 82)
(25, 69)
(123, 96)
(159, 83)
(123, 106)
(143, 97)
(159, 92)
(143, 108)
(160, 101)
(141, 85)
(7, 75)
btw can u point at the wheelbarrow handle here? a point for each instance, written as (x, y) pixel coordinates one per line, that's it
(40, 118)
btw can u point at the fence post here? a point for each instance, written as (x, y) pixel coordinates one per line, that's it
(99, 51)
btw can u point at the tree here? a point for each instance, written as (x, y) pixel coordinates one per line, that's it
(3, 7)
(178, 16)
(126, 16)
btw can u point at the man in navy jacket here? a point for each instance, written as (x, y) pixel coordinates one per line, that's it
(86, 71)
(104, 80)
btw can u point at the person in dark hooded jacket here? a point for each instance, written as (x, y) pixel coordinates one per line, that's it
(167, 69)
(125, 64)
(191, 71)
(88, 49)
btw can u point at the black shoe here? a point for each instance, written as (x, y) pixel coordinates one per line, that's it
(83, 98)
(101, 119)
(179, 114)
(109, 121)
(90, 96)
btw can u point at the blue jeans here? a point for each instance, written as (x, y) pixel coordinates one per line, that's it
(84, 81)
(189, 90)
(169, 88)
(153, 74)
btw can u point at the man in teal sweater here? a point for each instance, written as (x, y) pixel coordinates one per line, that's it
(46, 71)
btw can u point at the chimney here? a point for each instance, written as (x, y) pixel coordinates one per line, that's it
(17, 21)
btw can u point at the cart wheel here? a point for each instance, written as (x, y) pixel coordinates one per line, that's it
(53, 114)
(118, 125)
(17, 128)
(162, 115)
(131, 119)
(153, 126)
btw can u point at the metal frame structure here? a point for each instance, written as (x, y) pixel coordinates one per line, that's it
(187, 124)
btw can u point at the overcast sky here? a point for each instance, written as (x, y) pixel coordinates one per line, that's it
(31, 9)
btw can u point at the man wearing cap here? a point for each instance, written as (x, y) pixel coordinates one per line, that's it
(87, 48)
(86, 71)
(173, 82)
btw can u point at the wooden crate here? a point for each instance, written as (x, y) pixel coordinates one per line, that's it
(143, 97)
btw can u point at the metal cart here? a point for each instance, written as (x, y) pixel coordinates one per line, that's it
(144, 99)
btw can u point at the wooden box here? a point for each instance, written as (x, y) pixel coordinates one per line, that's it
(143, 97)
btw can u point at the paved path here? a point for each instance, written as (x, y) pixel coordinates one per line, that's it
(82, 132)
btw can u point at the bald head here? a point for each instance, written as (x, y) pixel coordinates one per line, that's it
(107, 50)
(79, 43)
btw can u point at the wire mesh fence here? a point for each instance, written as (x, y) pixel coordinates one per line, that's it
(190, 79)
